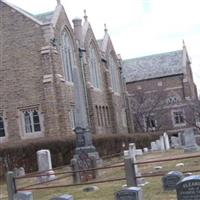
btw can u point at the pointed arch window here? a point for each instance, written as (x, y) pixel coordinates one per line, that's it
(114, 74)
(94, 67)
(67, 56)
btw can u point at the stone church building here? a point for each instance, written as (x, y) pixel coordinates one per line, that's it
(54, 77)
(162, 93)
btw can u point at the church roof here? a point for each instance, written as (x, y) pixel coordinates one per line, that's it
(153, 66)
(45, 17)
(39, 18)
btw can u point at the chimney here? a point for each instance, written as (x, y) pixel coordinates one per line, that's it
(77, 22)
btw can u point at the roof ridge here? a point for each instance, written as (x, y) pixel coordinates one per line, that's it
(156, 54)
(45, 13)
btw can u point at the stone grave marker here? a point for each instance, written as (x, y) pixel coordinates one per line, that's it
(138, 152)
(24, 195)
(131, 193)
(153, 146)
(63, 197)
(190, 141)
(181, 138)
(18, 172)
(166, 141)
(171, 179)
(45, 165)
(162, 144)
(188, 188)
(158, 145)
(132, 153)
(145, 149)
(175, 142)
(85, 157)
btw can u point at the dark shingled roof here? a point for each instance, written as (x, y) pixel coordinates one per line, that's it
(153, 66)
(45, 17)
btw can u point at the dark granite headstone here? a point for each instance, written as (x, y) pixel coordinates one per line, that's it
(131, 193)
(188, 188)
(171, 179)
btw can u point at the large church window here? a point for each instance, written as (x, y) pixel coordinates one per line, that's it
(67, 56)
(114, 74)
(94, 67)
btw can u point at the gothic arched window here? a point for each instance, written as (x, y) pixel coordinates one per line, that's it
(114, 74)
(67, 55)
(94, 67)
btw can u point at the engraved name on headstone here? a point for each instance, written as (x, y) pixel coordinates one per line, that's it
(188, 188)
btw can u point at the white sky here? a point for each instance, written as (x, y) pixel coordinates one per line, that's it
(137, 27)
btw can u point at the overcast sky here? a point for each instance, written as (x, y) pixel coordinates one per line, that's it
(137, 27)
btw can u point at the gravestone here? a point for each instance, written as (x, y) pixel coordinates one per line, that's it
(181, 139)
(188, 188)
(21, 172)
(190, 141)
(85, 157)
(45, 165)
(176, 144)
(132, 153)
(171, 179)
(162, 144)
(138, 152)
(153, 146)
(24, 195)
(158, 145)
(132, 149)
(145, 150)
(166, 141)
(63, 197)
(131, 193)
(18, 172)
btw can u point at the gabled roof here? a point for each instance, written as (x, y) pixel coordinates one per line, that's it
(153, 66)
(45, 17)
(40, 18)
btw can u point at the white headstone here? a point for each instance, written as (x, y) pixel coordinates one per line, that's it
(23, 195)
(45, 165)
(145, 149)
(158, 145)
(132, 149)
(166, 141)
(63, 197)
(138, 152)
(153, 146)
(162, 144)
(190, 141)
(175, 142)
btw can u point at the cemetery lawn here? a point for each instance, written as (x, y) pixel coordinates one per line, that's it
(151, 191)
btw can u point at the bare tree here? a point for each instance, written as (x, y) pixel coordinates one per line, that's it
(146, 109)
(194, 114)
